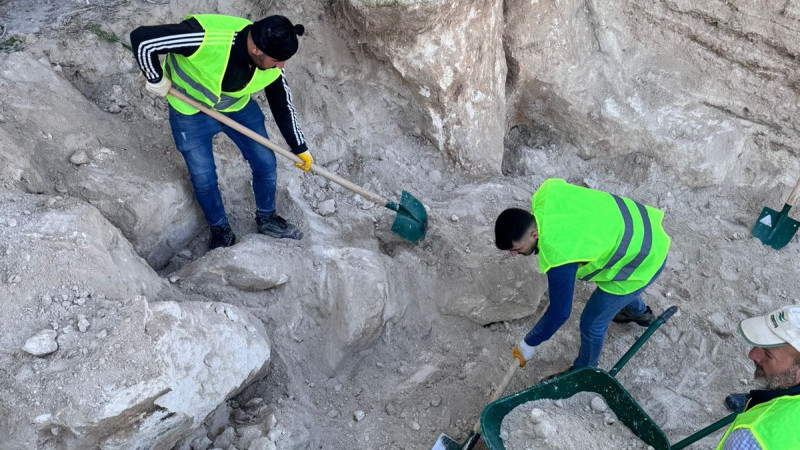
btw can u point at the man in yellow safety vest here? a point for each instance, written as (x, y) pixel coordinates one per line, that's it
(594, 236)
(771, 417)
(220, 61)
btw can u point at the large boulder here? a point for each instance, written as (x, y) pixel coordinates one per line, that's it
(346, 293)
(66, 139)
(450, 55)
(88, 361)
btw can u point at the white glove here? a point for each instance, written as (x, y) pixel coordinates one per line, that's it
(160, 88)
(523, 352)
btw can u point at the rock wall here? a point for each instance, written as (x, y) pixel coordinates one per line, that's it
(450, 56)
(708, 89)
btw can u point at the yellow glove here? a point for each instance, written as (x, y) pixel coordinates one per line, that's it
(160, 88)
(523, 352)
(307, 161)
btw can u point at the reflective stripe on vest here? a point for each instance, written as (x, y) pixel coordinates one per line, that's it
(220, 103)
(199, 76)
(647, 242)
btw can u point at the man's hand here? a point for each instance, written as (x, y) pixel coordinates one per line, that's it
(307, 160)
(523, 352)
(160, 88)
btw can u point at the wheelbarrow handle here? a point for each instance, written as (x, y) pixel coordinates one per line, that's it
(704, 432)
(642, 339)
(668, 313)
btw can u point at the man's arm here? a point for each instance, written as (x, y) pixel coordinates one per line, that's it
(150, 41)
(561, 287)
(279, 97)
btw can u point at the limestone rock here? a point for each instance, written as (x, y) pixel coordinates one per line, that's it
(80, 158)
(253, 265)
(42, 343)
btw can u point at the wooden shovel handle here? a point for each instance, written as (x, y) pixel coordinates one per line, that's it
(375, 198)
(793, 195)
(500, 389)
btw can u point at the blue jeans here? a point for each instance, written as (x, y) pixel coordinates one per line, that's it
(597, 314)
(193, 135)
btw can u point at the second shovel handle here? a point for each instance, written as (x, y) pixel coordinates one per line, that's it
(500, 389)
(794, 194)
(371, 196)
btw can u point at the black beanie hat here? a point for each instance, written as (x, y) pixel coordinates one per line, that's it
(276, 36)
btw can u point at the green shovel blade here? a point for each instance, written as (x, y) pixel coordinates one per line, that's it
(411, 222)
(775, 228)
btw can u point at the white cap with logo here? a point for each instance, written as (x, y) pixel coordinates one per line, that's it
(777, 328)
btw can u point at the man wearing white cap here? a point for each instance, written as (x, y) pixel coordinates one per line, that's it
(771, 417)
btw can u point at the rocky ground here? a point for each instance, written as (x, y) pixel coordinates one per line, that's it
(353, 338)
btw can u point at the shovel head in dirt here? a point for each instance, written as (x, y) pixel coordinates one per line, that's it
(411, 221)
(446, 443)
(775, 228)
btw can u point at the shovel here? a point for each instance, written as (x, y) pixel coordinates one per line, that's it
(775, 228)
(411, 221)
(447, 443)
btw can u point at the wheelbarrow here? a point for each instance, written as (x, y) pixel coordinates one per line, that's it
(603, 383)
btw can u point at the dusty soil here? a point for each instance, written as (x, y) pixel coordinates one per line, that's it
(582, 420)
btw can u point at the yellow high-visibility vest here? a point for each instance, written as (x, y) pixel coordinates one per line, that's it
(618, 243)
(774, 424)
(199, 76)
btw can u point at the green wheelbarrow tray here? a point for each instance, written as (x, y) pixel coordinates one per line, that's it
(604, 384)
(582, 380)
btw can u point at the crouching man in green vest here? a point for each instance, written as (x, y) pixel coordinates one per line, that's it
(771, 417)
(594, 236)
(221, 61)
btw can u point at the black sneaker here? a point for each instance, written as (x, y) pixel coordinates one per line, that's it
(736, 401)
(644, 319)
(277, 227)
(221, 236)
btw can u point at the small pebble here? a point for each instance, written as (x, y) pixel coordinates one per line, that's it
(79, 158)
(42, 343)
(599, 405)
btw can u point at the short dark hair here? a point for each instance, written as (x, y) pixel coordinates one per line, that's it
(510, 226)
(276, 37)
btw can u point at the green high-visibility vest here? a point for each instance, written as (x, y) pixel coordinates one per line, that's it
(199, 76)
(618, 243)
(774, 424)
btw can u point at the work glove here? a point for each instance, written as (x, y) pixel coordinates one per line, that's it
(160, 88)
(307, 160)
(523, 352)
